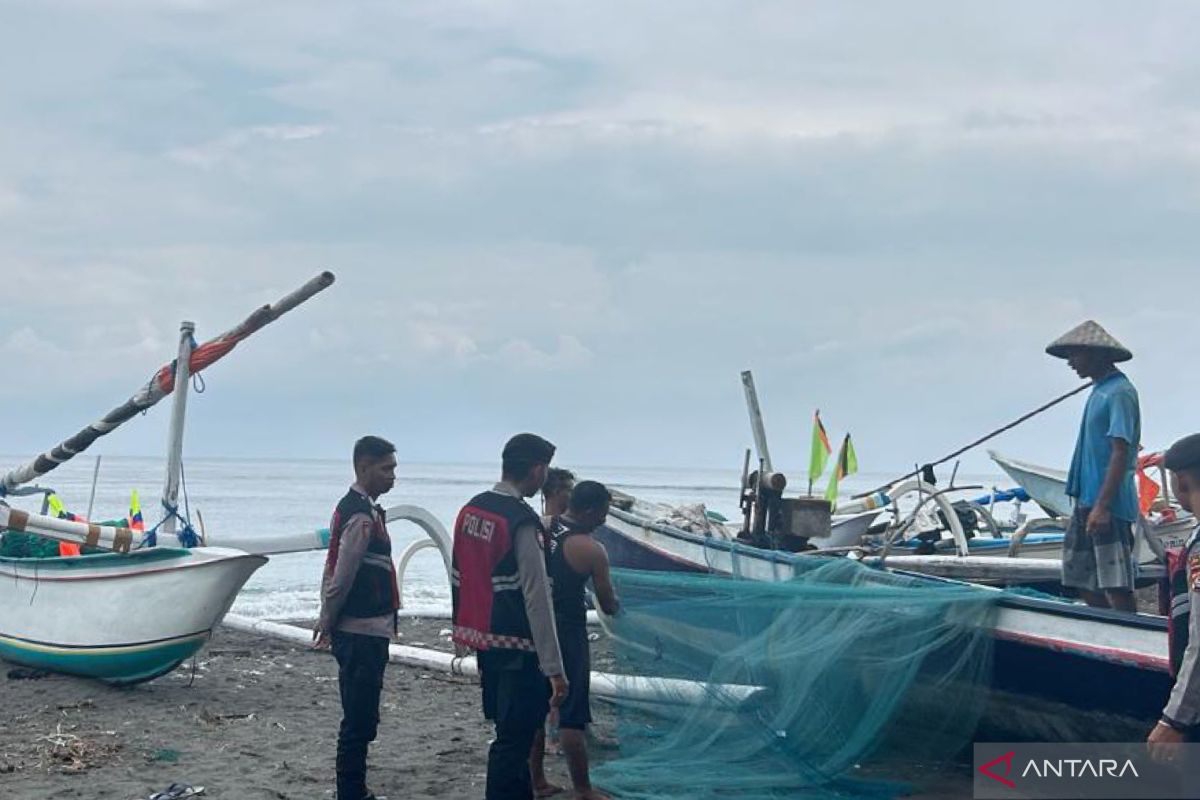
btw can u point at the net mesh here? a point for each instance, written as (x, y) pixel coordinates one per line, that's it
(800, 688)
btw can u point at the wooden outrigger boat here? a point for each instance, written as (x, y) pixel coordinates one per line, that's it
(121, 618)
(1048, 488)
(1054, 650)
(136, 611)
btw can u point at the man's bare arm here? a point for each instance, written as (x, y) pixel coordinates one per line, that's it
(1114, 473)
(606, 595)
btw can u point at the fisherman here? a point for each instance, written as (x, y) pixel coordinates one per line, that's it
(555, 495)
(502, 610)
(1098, 547)
(1180, 721)
(557, 492)
(359, 599)
(573, 559)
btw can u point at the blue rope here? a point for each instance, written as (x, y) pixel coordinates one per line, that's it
(186, 533)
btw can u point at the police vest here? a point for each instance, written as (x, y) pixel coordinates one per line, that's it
(485, 588)
(1183, 576)
(374, 591)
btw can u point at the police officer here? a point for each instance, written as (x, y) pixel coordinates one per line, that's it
(503, 611)
(1180, 720)
(359, 599)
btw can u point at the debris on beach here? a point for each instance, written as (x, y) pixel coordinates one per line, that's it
(63, 751)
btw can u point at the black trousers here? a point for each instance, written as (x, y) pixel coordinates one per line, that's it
(516, 697)
(361, 661)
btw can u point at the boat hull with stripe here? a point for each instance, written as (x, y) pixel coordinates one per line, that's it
(1063, 653)
(117, 618)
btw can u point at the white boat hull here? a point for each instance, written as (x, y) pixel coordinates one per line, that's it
(1085, 634)
(120, 618)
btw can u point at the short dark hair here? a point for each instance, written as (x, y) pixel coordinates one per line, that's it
(372, 448)
(557, 479)
(588, 495)
(517, 469)
(522, 453)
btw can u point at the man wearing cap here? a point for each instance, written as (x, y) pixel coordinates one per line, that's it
(503, 611)
(1181, 717)
(1098, 547)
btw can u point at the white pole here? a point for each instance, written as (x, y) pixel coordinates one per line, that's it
(756, 421)
(671, 691)
(178, 410)
(92, 497)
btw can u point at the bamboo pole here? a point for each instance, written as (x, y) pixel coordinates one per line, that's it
(183, 373)
(979, 441)
(108, 537)
(92, 496)
(757, 427)
(161, 385)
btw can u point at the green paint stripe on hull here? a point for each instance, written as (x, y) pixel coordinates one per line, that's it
(98, 560)
(116, 664)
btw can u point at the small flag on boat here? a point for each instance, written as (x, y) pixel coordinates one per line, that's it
(1148, 490)
(820, 449)
(58, 510)
(136, 523)
(847, 464)
(56, 507)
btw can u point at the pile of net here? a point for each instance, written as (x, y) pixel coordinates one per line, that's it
(859, 670)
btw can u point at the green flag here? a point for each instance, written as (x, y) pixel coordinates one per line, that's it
(820, 449)
(847, 464)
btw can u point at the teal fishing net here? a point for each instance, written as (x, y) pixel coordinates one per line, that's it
(800, 688)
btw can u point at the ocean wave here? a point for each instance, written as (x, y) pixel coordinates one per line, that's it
(306, 604)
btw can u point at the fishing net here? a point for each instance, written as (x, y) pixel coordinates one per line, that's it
(801, 688)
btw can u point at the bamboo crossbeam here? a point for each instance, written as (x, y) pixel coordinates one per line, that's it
(107, 537)
(162, 384)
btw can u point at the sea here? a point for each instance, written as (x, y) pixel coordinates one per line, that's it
(269, 497)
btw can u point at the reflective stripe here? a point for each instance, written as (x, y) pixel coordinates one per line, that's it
(486, 641)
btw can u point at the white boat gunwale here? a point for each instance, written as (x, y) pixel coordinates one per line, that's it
(1019, 619)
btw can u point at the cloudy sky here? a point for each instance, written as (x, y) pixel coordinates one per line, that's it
(585, 219)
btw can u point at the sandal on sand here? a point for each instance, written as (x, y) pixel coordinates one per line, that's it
(549, 791)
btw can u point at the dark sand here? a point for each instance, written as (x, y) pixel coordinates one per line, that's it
(258, 719)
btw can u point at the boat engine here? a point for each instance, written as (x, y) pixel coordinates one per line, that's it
(775, 523)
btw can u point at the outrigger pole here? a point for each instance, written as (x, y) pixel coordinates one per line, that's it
(162, 384)
(979, 441)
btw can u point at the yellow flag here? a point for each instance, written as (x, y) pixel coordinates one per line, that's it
(847, 464)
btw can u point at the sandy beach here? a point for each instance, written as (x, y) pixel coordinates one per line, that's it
(256, 719)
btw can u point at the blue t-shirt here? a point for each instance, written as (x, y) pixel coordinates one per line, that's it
(1111, 413)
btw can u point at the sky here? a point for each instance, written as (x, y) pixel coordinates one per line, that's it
(586, 219)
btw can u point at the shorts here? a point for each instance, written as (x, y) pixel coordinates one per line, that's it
(1100, 561)
(575, 711)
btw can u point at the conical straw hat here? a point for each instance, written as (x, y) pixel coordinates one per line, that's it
(1089, 334)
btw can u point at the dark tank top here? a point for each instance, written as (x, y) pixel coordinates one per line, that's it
(567, 585)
